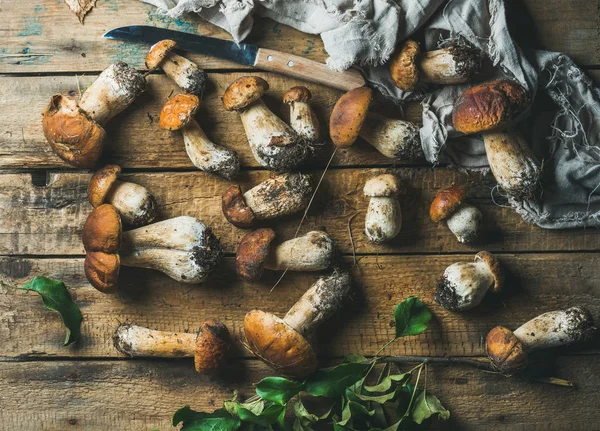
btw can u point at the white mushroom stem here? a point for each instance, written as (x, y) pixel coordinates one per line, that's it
(396, 139)
(383, 220)
(465, 223)
(134, 202)
(319, 302)
(186, 74)
(206, 155)
(311, 252)
(113, 91)
(136, 340)
(304, 121)
(279, 196)
(464, 285)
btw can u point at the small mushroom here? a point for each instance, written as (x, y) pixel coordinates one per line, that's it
(455, 64)
(134, 203)
(463, 220)
(302, 117)
(284, 344)
(178, 114)
(209, 347)
(488, 109)
(464, 285)
(508, 350)
(396, 139)
(278, 196)
(75, 129)
(183, 247)
(275, 145)
(311, 252)
(383, 220)
(186, 74)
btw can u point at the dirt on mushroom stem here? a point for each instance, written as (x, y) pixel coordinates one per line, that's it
(209, 254)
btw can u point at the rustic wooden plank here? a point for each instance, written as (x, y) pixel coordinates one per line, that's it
(536, 283)
(48, 220)
(142, 395)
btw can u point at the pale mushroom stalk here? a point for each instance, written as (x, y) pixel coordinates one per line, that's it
(383, 220)
(302, 117)
(396, 139)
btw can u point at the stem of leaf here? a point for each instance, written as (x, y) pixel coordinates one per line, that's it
(407, 412)
(483, 364)
(385, 346)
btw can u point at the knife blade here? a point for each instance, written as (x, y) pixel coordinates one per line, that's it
(243, 53)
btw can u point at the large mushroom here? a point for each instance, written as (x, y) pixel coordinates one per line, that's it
(183, 247)
(302, 117)
(135, 203)
(396, 139)
(178, 114)
(278, 196)
(383, 220)
(455, 64)
(284, 344)
(509, 350)
(488, 109)
(275, 145)
(75, 129)
(313, 251)
(209, 346)
(463, 220)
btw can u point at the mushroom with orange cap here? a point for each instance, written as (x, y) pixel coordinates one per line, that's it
(383, 220)
(302, 117)
(463, 220)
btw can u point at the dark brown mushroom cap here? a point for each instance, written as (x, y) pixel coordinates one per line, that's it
(102, 270)
(101, 183)
(76, 138)
(178, 111)
(348, 116)
(297, 94)
(244, 91)
(488, 106)
(404, 70)
(505, 350)
(253, 252)
(447, 202)
(279, 345)
(235, 209)
(495, 268)
(212, 345)
(158, 52)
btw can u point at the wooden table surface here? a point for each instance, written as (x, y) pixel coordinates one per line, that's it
(43, 205)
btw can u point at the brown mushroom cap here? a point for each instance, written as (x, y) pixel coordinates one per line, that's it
(488, 106)
(178, 111)
(447, 202)
(382, 185)
(244, 91)
(102, 270)
(297, 94)
(505, 350)
(495, 268)
(404, 70)
(212, 345)
(235, 209)
(348, 116)
(279, 345)
(158, 52)
(101, 183)
(253, 252)
(76, 138)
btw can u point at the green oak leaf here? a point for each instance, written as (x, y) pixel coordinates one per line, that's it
(331, 382)
(269, 415)
(412, 317)
(387, 382)
(219, 420)
(55, 297)
(303, 415)
(355, 358)
(278, 389)
(427, 405)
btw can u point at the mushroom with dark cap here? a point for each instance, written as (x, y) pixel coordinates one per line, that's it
(313, 251)
(455, 64)
(383, 220)
(396, 139)
(275, 145)
(284, 344)
(135, 203)
(278, 196)
(178, 114)
(75, 129)
(186, 74)
(302, 117)
(183, 247)
(488, 109)
(463, 220)
(509, 350)
(464, 285)
(208, 347)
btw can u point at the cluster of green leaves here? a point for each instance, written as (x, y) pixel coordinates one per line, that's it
(392, 403)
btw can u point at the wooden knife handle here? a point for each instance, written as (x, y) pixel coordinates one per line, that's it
(309, 70)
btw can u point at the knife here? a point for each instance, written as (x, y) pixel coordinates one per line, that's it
(243, 53)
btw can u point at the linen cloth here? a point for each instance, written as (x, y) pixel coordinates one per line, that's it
(562, 125)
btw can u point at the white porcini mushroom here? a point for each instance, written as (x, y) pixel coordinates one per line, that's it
(274, 144)
(183, 247)
(284, 343)
(302, 117)
(463, 220)
(178, 114)
(383, 220)
(508, 350)
(311, 252)
(278, 196)
(464, 285)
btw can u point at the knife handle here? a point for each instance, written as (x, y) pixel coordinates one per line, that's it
(309, 70)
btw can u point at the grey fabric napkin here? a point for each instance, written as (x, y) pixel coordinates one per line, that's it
(562, 125)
